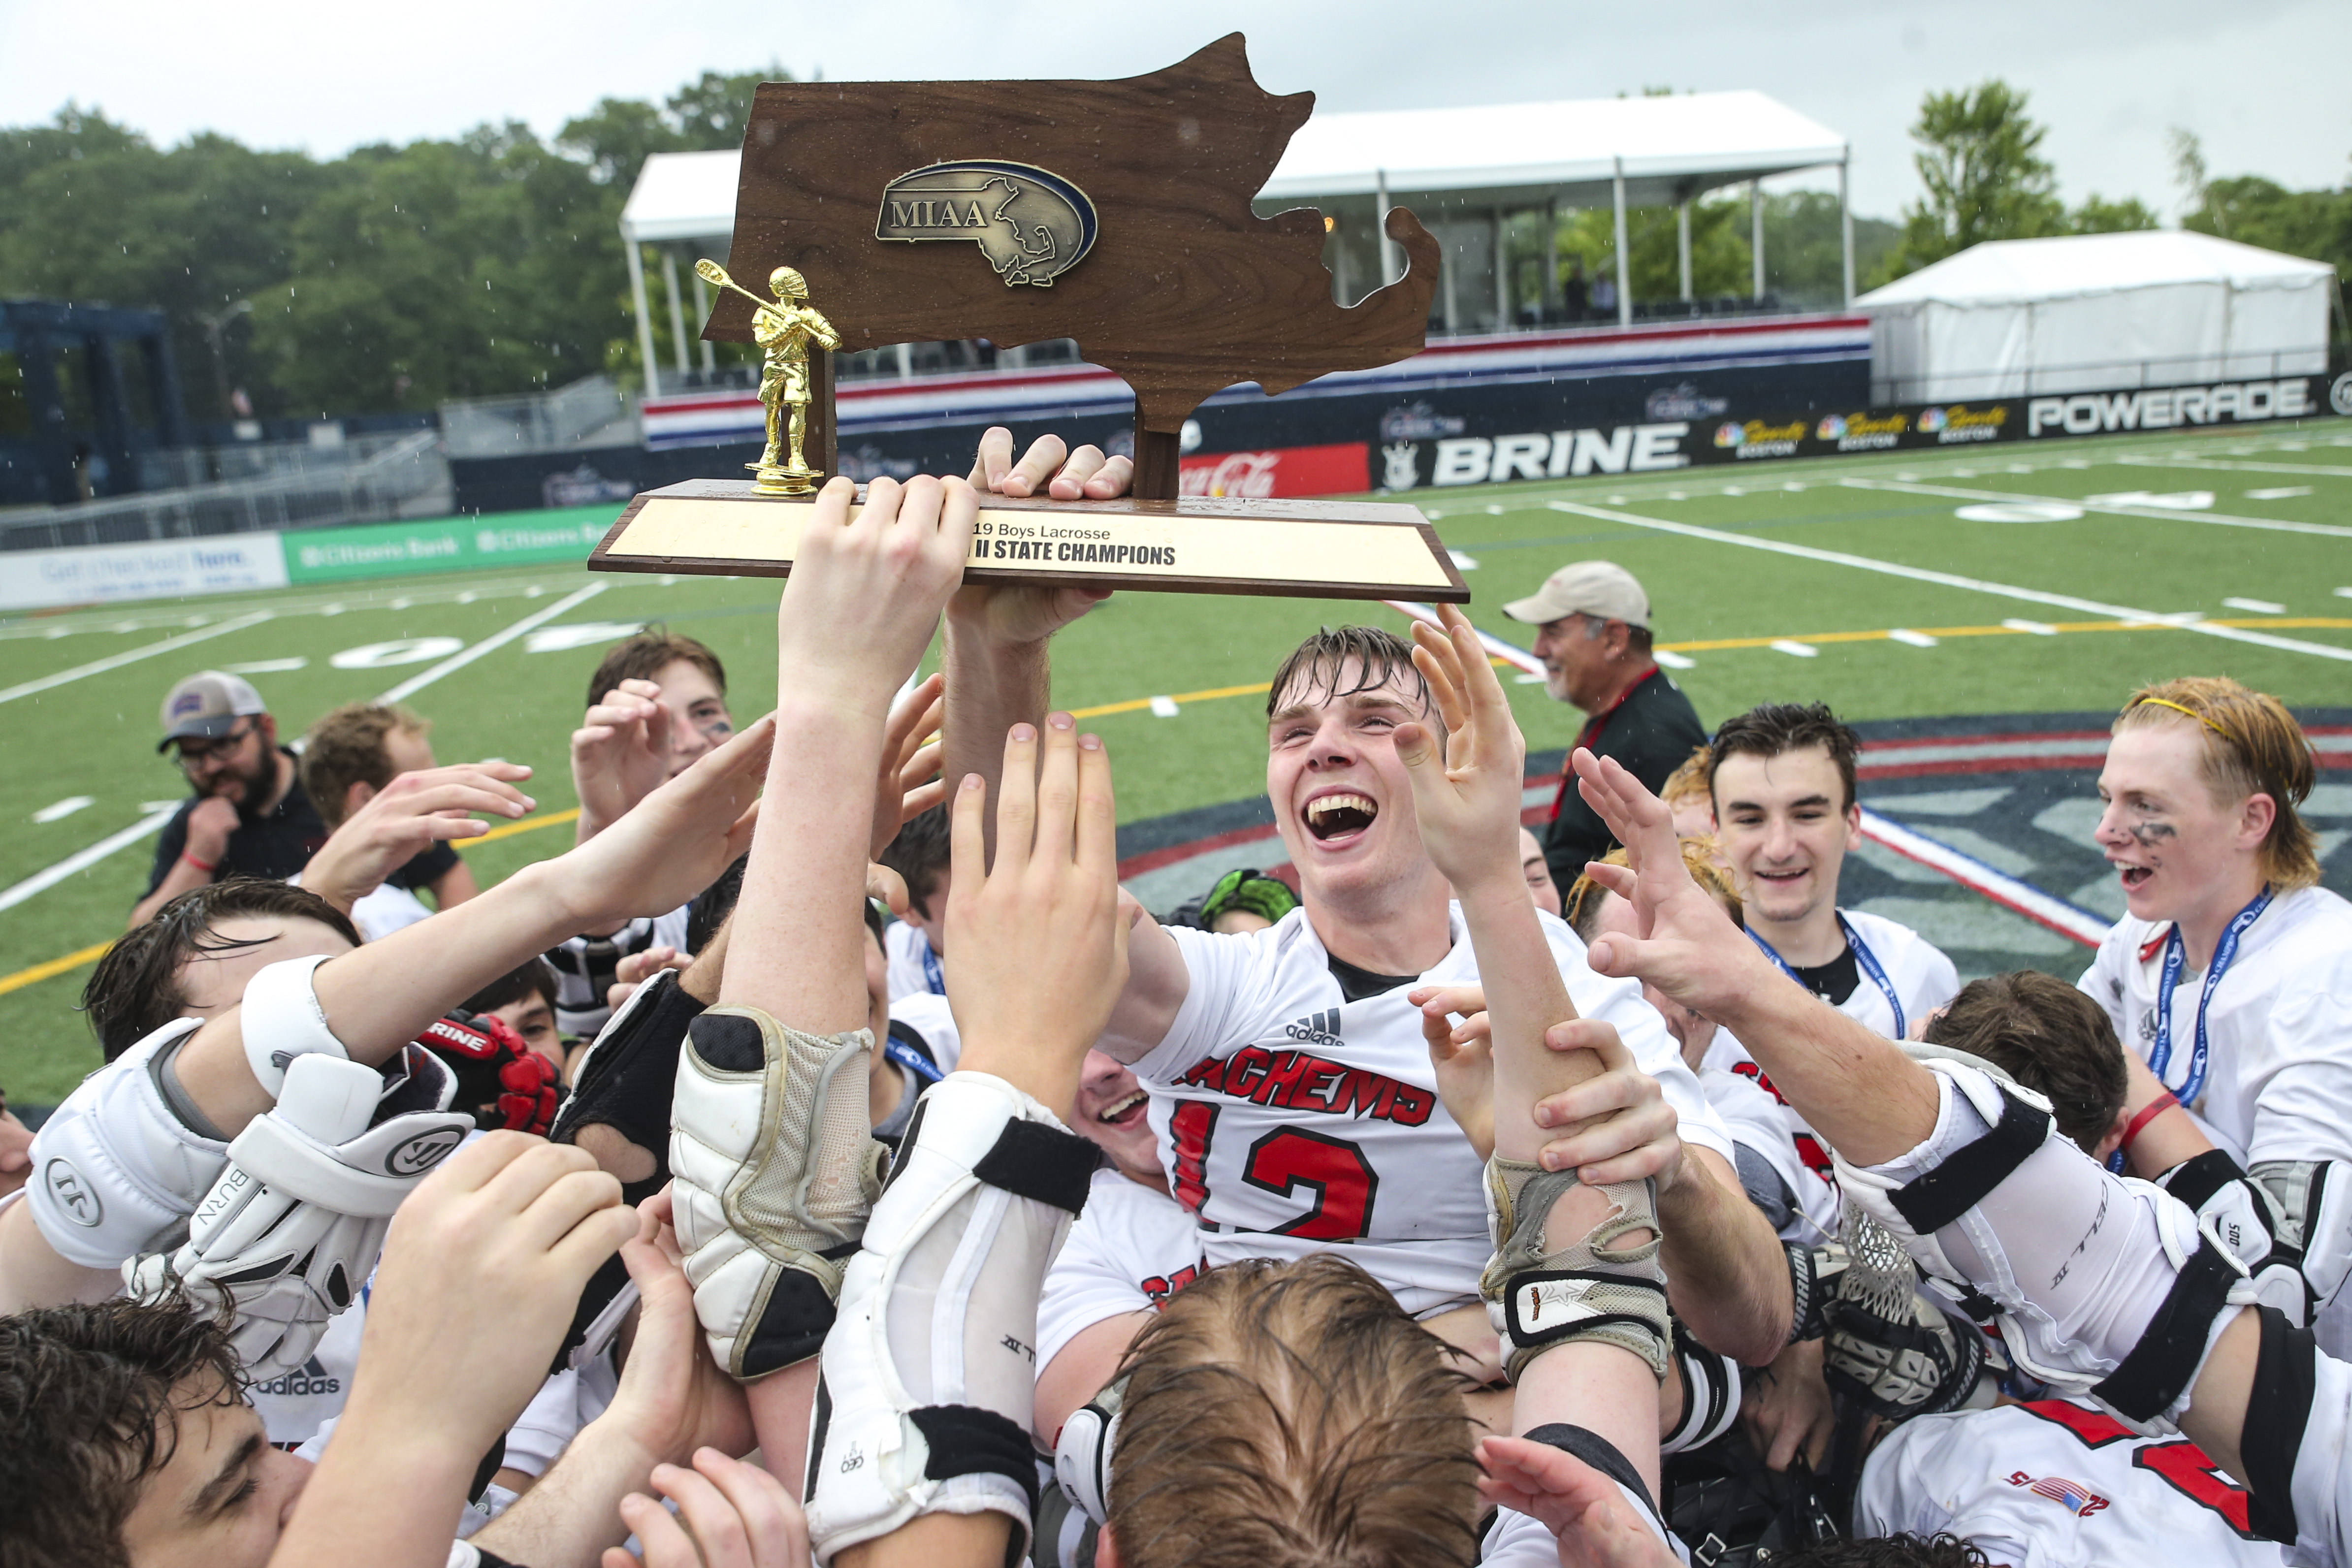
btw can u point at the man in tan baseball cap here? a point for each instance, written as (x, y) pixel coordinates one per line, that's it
(1594, 637)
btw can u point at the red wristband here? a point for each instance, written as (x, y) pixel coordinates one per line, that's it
(2149, 1112)
(200, 865)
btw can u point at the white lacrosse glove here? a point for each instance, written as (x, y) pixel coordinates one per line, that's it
(292, 1228)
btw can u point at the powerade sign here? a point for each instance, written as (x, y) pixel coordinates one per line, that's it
(1652, 447)
(2227, 403)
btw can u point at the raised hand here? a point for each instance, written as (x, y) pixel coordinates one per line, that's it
(408, 815)
(907, 784)
(1468, 799)
(1687, 946)
(620, 754)
(1596, 1526)
(675, 842)
(474, 1293)
(866, 592)
(729, 1515)
(1048, 465)
(1037, 945)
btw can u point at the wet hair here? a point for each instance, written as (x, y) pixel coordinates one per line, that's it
(1771, 729)
(2048, 1035)
(1285, 1414)
(645, 655)
(1690, 781)
(1582, 910)
(2252, 747)
(348, 746)
(135, 989)
(534, 978)
(919, 854)
(1316, 666)
(91, 1396)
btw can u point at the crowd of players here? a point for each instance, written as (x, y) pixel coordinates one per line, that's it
(1610, 1197)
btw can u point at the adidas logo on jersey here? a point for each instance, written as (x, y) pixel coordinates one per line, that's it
(1318, 1028)
(308, 1379)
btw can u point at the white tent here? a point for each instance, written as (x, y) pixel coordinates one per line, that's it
(1492, 159)
(2090, 313)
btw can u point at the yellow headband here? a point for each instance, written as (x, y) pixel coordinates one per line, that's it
(2193, 713)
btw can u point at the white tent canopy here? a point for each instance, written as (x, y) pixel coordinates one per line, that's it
(2087, 312)
(1666, 150)
(1460, 168)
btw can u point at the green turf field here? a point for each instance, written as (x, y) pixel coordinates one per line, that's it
(1755, 623)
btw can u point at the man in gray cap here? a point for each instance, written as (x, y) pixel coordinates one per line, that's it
(1594, 637)
(248, 815)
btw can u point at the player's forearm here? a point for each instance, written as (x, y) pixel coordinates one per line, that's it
(992, 686)
(798, 948)
(779, 1404)
(378, 996)
(573, 1514)
(1856, 1089)
(388, 1498)
(32, 1275)
(1727, 1277)
(1525, 996)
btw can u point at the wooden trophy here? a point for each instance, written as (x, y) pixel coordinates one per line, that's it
(1117, 214)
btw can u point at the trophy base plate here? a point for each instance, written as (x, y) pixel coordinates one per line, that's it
(1309, 550)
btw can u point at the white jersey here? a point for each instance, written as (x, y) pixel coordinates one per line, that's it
(2278, 1080)
(1922, 980)
(580, 1007)
(2056, 1485)
(1132, 1249)
(912, 967)
(2279, 1083)
(1759, 1127)
(1291, 1120)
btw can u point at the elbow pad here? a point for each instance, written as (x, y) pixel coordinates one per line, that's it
(2311, 1234)
(2103, 1285)
(116, 1171)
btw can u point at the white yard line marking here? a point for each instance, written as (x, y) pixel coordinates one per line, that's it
(2039, 627)
(2259, 606)
(1915, 639)
(491, 643)
(2234, 466)
(2113, 509)
(2041, 908)
(130, 656)
(64, 807)
(1795, 649)
(1953, 579)
(81, 859)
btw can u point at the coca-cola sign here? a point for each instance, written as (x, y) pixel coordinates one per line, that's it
(1339, 470)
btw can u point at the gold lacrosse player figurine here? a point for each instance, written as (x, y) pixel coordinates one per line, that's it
(785, 328)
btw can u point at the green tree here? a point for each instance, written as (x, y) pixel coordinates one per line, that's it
(2097, 216)
(1980, 161)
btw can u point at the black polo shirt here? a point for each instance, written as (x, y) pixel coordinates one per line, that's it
(280, 843)
(1651, 732)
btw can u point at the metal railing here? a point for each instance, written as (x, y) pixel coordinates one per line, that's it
(590, 411)
(370, 478)
(2108, 375)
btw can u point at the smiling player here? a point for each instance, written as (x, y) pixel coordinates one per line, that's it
(1292, 1092)
(2227, 973)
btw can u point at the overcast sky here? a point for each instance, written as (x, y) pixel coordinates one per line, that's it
(2262, 81)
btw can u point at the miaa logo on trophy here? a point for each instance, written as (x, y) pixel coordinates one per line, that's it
(1031, 223)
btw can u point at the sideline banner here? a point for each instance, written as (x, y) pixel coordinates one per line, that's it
(443, 544)
(1829, 431)
(158, 568)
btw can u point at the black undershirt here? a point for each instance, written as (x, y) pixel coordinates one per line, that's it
(1356, 984)
(1834, 981)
